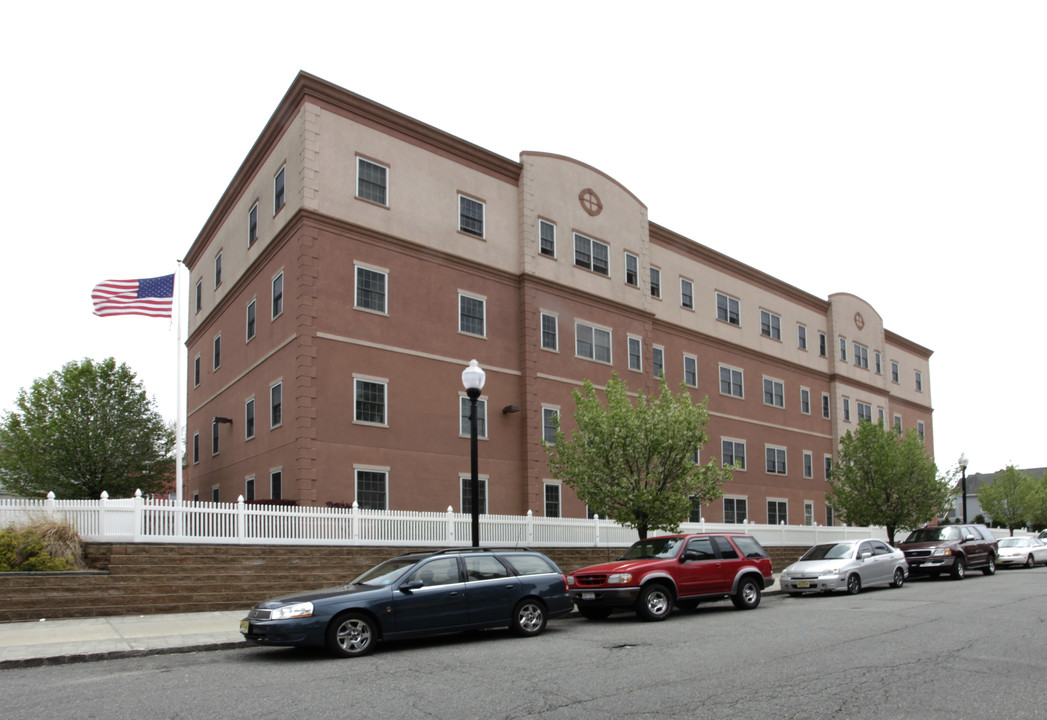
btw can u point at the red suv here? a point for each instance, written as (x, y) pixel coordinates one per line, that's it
(657, 572)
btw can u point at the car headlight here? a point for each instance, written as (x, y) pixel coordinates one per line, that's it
(619, 578)
(830, 572)
(941, 551)
(292, 611)
(570, 580)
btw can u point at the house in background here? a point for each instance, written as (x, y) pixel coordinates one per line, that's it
(974, 484)
(359, 259)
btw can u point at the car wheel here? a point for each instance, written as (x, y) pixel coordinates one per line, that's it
(899, 578)
(595, 613)
(748, 595)
(654, 602)
(1029, 562)
(959, 569)
(351, 635)
(854, 584)
(529, 618)
(990, 569)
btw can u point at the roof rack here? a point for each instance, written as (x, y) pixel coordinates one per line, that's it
(448, 551)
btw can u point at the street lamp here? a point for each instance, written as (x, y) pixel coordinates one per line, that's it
(473, 378)
(963, 485)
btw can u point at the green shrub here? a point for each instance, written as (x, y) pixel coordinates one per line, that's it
(42, 544)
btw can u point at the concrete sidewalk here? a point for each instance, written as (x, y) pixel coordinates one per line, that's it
(58, 642)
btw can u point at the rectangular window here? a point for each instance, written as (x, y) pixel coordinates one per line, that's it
(549, 332)
(690, 371)
(470, 216)
(371, 289)
(251, 319)
(829, 519)
(658, 361)
(632, 270)
(552, 500)
(879, 362)
(249, 419)
(214, 437)
(196, 447)
(827, 467)
(592, 342)
(276, 484)
(218, 270)
(276, 405)
(591, 254)
(733, 452)
(801, 337)
(843, 349)
(464, 406)
(549, 416)
(879, 414)
(894, 371)
(808, 465)
(846, 410)
(372, 181)
(196, 371)
(278, 191)
(898, 423)
(775, 460)
(770, 325)
(215, 493)
(865, 412)
(728, 309)
(773, 392)
(199, 295)
(278, 295)
(731, 382)
(372, 491)
(252, 225)
(920, 429)
(823, 345)
(808, 513)
(777, 512)
(467, 495)
(919, 380)
(217, 359)
(825, 405)
(546, 238)
(472, 315)
(635, 353)
(735, 510)
(861, 356)
(687, 294)
(656, 282)
(370, 402)
(249, 489)
(805, 401)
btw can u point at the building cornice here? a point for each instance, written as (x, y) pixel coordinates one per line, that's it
(898, 341)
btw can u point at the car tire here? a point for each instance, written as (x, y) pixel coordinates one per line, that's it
(351, 635)
(899, 578)
(854, 584)
(990, 568)
(959, 569)
(748, 595)
(1029, 562)
(595, 613)
(529, 618)
(654, 603)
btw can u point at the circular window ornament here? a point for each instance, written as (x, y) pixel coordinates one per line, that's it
(590, 202)
(859, 321)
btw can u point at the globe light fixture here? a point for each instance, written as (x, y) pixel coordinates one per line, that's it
(473, 378)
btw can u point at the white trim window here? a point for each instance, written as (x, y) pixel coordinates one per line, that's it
(656, 282)
(918, 376)
(733, 453)
(773, 392)
(735, 510)
(895, 372)
(552, 499)
(470, 216)
(546, 238)
(472, 314)
(276, 405)
(632, 269)
(218, 270)
(370, 398)
(216, 358)
(550, 413)
(466, 485)
(371, 292)
(481, 417)
(635, 353)
(278, 295)
(865, 411)
(808, 464)
(805, 401)
(776, 460)
(808, 513)
(690, 370)
(728, 309)
(252, 225)
(658, 360)
(592, 342)
(777, 512)
(371, 487)
(826, 405)
(249, 420)
(686, 294)
(550, 332)
(592, 254)
(276, 484)
(861, 356)
(251, 321)
(279, 199)
(843, 349)
(801, 336)
(372, 181)
(770, 325)
(732, 381)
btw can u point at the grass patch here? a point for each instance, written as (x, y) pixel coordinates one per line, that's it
(41, 543)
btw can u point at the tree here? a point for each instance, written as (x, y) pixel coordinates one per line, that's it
(635, 463)
(82, 430)
(884, 478)
(1010, 499)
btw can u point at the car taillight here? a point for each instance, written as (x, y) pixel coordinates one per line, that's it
(568, 580)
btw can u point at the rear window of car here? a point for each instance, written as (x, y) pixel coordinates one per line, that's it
(526, 564)
(749, 546)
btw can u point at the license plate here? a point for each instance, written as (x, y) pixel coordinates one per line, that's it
(803, 583)
(245, 626)
(588, 596)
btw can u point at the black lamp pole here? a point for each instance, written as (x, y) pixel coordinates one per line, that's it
(963, 485)
(473, 394)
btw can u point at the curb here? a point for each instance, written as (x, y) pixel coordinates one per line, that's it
(73, 658)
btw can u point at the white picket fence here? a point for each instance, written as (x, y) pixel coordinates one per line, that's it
(144, 520)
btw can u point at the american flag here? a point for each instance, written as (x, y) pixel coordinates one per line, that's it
(149, 296)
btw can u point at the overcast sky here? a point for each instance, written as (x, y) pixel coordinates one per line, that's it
(893, 150)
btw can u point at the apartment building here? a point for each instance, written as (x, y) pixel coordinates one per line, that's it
(359, 259)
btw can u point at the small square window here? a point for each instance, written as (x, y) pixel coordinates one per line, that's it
(372, 181)
(777, 512)
(470, 216)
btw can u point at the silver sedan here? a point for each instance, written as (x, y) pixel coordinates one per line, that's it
(849, 565)
(1024, 551)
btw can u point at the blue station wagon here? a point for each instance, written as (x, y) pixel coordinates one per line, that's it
(417, 594)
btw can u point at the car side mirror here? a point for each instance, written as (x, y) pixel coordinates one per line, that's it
(407, 587)
(866, 554)
(689, 555)
(969, 538)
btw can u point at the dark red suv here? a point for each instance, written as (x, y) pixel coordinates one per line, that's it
(657, 572)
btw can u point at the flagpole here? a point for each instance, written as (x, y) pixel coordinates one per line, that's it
(181, 377)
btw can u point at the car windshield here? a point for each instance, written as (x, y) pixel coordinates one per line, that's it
(829, 551)
(665, 547)
(1015, 542)
(934, 534)
(387, 572)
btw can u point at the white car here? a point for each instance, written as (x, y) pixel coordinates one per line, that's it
(849, 565)
(1024, 551)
